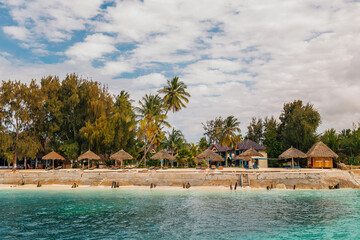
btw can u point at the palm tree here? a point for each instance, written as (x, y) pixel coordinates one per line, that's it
(228, 132)
(151, 112)
(174, 142)
(175, 96)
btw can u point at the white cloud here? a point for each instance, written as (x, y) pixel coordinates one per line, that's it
(242, 58)
(94, 46)
(19, 33)
(53, 20)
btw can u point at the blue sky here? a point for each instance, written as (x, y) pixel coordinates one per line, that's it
(242, 58)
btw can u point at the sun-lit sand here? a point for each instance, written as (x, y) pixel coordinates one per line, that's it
(87, 187)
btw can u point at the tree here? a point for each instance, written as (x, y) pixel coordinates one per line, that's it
(211, 129)
(15, 112)
(298, 124)
(255, 130)
(174, 141)
(272, 137)
(175, 97)
(124, 124)
(203, 144)
(185, 157)
(228, 133)
(331, 139)
(152, 116)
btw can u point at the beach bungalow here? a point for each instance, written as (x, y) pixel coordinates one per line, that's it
(320, 156)
(230, 154)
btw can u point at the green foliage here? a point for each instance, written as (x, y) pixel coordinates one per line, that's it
(345, 143)
(211, 128)
(255, 130)
(68, 116)
(353, 161)
(175, 95)
(124, 124)
(203, 144)
(224, 131)
(298, 124)
(174, 141)
(272, 138)
(185, 157)
(228, 132)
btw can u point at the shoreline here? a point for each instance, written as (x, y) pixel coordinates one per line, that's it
(60, 187)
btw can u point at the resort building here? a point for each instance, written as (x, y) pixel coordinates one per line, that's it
(320, 156)
(230, 154)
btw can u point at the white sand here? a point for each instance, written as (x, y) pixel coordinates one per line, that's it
(158, 188)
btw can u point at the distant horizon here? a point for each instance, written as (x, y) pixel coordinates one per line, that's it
(245, 59)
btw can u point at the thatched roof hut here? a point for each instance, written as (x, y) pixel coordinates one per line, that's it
(53, 156)
(120, 156)
(89, 155)
(319, 149)
(251, 153)
(293, 153)
(320, 156)
(162, 155)
(208, 154)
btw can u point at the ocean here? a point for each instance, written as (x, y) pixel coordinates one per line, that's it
(179, 214)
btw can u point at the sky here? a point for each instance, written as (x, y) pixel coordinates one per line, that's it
(243, 58)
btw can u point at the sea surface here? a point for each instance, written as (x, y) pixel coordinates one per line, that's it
(181, 214)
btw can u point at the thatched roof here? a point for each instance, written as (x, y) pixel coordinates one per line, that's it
(244, 159)
(244, 145)
(162, 155)
(319, 149)
(293, 153)
(89, 155)
(247, 144)
(208, 154)
(121, 155)
(53, 156)
(251, 153)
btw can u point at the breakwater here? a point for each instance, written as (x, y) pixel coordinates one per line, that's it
(302, 179)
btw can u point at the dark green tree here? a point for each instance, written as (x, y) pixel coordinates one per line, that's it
(255, 130)
(298, 124)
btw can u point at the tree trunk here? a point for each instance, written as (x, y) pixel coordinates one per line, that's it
(151, 143)
(25, 163)
(16, 149)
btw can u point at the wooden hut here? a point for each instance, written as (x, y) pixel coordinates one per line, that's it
(121, 156)
(53, 156)
(89, 156)
(320, 156)
(248, 155)
(162, 155)
(292, 153)
(209, 156)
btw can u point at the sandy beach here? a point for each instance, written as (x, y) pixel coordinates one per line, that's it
(62, 187)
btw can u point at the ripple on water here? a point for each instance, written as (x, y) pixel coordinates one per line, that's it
(145, 214)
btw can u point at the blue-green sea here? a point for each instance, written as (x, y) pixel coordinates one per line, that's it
(164, 214)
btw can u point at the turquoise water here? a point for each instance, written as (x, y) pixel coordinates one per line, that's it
(160, 214)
